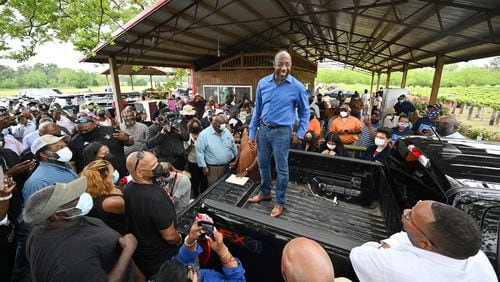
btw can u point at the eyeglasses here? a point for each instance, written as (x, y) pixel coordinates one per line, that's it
(140, 156)
(407, 216)
(83, 120)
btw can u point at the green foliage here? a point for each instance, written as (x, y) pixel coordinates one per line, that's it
(140, 82)
(473, 132)
(9, 83)
(84, 23)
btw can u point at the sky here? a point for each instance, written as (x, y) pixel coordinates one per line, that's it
(64, 55)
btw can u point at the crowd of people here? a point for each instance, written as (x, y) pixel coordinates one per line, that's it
(87, 198)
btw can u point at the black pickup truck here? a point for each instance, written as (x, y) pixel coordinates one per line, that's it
(344, 202)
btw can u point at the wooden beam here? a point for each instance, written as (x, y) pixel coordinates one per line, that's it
(436, 82)
(388, 81)
(117, 94)
(405, 75)
(371, 84)
(378, 80)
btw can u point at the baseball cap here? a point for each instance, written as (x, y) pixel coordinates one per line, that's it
(45, 140)
(39, 207)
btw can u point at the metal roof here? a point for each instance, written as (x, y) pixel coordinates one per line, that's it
(131, 70)
(374, 35)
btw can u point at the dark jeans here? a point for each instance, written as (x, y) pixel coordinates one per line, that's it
(276, 142)
(21, 266)
(198, 179)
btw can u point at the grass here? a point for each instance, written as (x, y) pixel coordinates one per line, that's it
(14, 92)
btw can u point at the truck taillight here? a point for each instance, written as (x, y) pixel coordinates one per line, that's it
(416, 155)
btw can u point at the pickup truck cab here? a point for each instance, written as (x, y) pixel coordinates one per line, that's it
(344, 202)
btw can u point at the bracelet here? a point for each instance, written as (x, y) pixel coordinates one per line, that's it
(230, 260)
(6, 198)
(187, 245)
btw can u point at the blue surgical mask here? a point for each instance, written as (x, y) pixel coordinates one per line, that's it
(5, 131)
(116, 176)
(379, 142)
(222, 126)
(85, 203)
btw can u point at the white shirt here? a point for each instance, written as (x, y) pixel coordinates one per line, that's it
(366, 99)
(67, 123)
(405, 262)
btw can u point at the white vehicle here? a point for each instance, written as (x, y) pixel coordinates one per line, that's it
(62, 100)
(38, 93)
(390, 97)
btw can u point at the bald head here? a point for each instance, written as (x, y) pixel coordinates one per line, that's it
(49, 128)
(140, 165)
(305, 260)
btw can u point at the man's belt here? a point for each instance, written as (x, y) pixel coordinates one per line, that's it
(272, 125)
(217, 165)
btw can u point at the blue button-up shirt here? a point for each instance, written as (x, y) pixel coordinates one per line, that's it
(45, 175)
(280, 104)
(215, 149)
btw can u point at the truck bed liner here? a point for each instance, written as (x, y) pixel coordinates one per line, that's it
(356, 222)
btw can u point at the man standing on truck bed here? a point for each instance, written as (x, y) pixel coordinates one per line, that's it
(440, 243)
(280, 97)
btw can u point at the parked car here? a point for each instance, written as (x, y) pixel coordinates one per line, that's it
(343, 202)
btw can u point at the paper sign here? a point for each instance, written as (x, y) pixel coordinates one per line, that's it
(233, 179)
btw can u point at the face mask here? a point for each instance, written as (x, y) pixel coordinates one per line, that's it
(158, 171)
(401, 100)
(222, 126)
(196, 129)
(403, 124)
(116, 176)
(83, 207)
(432, 114)
(108, 157)
(379, 142)
(64, 155)
(344, 114)
(85, 203)
(5, 131)
(129, 122)
(185, 100)
(331, 146)
(233, 103)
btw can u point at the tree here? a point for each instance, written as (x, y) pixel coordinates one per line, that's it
(494, 64)
(84, 23)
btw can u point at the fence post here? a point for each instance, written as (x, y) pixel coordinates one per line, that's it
(471, 109)
(454, 107)
(498, 119)
(493, 115)
(479, 109)
(462, 107)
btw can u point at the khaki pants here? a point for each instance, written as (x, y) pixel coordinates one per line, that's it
(214, 173)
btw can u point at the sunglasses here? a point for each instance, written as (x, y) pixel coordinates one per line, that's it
(140, 156)
(407, 216)
(83, 120)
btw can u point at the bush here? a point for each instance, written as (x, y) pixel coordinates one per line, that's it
(9, 84)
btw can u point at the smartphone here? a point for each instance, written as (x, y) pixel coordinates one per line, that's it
(208, 228)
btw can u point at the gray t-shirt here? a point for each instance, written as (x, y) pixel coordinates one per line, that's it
(182, 191)
(138, 132)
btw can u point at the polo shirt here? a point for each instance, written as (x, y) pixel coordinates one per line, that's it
(215, 149)
(348, 123)
(405, 262)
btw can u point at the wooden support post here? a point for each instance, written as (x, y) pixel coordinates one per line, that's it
(117, 94)
(132, 82)
(107, 80)
(405, 75)
(192, 80)
(378, 80)
(151, 80)
(436, 82)
(388, 81)
(371, 84)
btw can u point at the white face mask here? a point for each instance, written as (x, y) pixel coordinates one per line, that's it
(403, 124)
(379, 142)
(222, 126)
(331, 146)
(64, 155)
(85, 203)
(344, 114)
(185, 100)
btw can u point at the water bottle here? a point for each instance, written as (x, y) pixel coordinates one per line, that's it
(479, 136)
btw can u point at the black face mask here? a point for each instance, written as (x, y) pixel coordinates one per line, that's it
(158, 171)
(195, 129)
(108, 157)
(90, 135)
